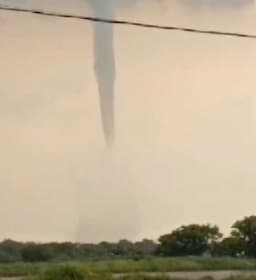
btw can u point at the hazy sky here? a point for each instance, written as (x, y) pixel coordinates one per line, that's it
(185, 137)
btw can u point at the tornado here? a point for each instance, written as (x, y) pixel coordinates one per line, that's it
(105, 66)
(104, 60)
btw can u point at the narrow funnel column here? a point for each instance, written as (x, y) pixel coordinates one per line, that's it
(105, 71)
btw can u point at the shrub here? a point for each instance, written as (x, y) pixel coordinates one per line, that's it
(62, 273)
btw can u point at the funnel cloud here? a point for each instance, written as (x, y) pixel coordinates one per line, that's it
(105, 66)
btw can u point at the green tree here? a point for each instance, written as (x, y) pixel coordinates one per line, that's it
(229, 246)
(10, 251)
(245, 230)
(145, 247)
(189, 240)
(124, 248)
(32, 252)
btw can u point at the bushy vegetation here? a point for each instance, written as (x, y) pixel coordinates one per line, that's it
(62, 273)
(160, 265)
(190, 240)
(12, 251)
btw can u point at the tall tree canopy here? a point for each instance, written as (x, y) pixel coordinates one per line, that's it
(189, 240)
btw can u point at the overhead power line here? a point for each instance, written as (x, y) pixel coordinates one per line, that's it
(129, 23)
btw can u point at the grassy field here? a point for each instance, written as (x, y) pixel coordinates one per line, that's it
(164, 277)
(131, 266)
(72, 273)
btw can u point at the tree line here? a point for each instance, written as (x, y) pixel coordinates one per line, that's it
(189, 240)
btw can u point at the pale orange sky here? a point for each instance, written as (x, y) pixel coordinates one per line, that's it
(185, 107)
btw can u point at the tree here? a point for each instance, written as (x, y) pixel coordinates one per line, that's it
(145, 247)
(245, 230)
(188, 240)
(229, 246)
(10, 251)
(124, 248)
(32, 252)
